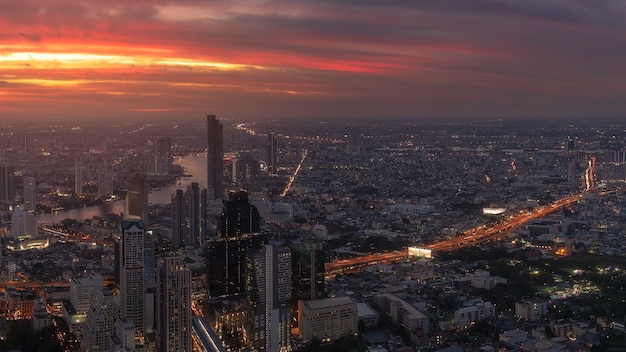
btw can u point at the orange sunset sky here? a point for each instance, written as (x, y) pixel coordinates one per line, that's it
(409, 59)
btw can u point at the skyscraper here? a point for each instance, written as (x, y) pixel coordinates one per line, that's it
(226, 263)
(163, 156)
(132, 281)
(30, 193)
(238, 216)
(308, 273)
(189, 216)
(136, 203)
(268, 294)
(7, 182)
(173, 305)
(271, 153)
(100, 322)
(78, 176)
(105, 179)
(215, 158)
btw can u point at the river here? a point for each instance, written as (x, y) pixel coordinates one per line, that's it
(194, 165)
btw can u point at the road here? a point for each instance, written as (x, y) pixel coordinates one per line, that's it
(468, 238)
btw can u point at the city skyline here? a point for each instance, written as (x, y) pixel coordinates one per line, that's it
(289, 60)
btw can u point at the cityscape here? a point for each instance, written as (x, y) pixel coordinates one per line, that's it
(312, 176)
(215, 234)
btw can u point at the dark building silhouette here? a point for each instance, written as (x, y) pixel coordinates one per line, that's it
(308, 261)
(7, 183)
(226, 263)
(215, 158)
(238, 231)
(189, 216)
(163, 156)
(271, 153)
(238, 216)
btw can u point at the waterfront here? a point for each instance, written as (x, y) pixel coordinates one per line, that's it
(194, 165)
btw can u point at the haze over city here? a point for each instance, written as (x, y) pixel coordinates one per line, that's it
(312, 59)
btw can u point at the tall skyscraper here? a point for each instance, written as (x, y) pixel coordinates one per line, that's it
(238, 216)
(248, 171)
(215, 158)
(163, 156)
(7, 182)
(105, 179)
(173, 305)
(136, 203)
(308, 273)
(189, 216)
(78, 176)
(100, 323)
(268, 294)
(30, 193)
(271, 153)
(226, 263)
(132, 280)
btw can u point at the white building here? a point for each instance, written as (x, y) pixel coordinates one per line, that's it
(465, 316)
(327, 319)
(98, 327)
(531, 311)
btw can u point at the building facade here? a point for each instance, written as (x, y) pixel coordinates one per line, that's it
(215, 158)
(173, 323)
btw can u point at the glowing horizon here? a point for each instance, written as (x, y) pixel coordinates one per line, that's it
(313, 58)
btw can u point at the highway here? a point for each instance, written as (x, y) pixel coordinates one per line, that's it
(468, 238)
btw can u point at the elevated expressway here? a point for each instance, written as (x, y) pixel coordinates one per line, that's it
(468, 238)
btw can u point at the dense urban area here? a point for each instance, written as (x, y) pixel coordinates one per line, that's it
(210, 234)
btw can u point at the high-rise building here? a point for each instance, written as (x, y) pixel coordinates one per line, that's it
(226, 263)
(248, 171)
(7, 182)
(308, 273)
(105, 179)
(82, 291)
(78, 176)
(30, 193)
(238, 216)
(132, 280)
(215, 158)
(268, 294)
(271, 153)
(189, 216)
(100, 322)
(163, 156)
(136, 203)
(173, 305)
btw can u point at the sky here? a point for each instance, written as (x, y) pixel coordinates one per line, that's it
(313, 59)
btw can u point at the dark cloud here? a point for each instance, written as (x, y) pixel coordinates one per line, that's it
(30, 37)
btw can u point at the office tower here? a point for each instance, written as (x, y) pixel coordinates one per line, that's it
(149, 158)
(82, 290)
(327, 319)
(271, 153)
(132, 281)
(163, 156)
(30, 193)
(308, 273)
(173, 305)
(136, 203)
(268, 294)
(78, 176)
(149, 281)
(189, 216)
(105, 179)
(226, 263)
(215, 158)
(248, 172)
(7, 182)
(238, 216)
(100, 322)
